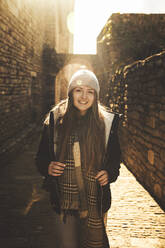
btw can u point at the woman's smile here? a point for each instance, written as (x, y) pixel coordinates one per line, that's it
(83, 102)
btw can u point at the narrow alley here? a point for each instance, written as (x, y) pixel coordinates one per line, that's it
(37, 60)
(135, 219)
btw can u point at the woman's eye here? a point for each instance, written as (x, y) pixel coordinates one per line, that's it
(78, 90)
(91, 92)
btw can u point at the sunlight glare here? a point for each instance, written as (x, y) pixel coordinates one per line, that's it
(70, 22)
(91, 16)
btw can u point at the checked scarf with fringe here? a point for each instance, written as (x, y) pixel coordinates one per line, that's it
(79, 191)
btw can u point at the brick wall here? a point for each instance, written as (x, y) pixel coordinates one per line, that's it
(137, 91)
(129, 37)
(143, 137)
(23, 25)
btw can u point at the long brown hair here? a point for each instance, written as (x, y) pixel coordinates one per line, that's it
(92, 133)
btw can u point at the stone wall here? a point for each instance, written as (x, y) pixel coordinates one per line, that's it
(129, 37)
(137, 91)
(62, 12)
(143, 137)
(25, 30)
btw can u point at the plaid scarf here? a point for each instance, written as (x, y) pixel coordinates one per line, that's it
(79, 191)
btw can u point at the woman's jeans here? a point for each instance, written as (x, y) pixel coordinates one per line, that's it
(66, 234)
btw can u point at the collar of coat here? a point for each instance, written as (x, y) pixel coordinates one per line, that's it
(59, 110)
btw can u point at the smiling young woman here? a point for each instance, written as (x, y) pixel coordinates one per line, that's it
(79, 154)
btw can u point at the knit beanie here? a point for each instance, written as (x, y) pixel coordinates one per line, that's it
(84, 77)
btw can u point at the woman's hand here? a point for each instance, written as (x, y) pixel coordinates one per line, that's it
(56, 169)
(102, 177)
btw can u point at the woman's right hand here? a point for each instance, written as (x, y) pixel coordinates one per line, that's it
(56, 169)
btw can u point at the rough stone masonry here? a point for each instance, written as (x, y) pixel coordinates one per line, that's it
(24, 32)
(137, 90)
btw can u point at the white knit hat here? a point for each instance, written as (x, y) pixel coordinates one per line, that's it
(84, 77)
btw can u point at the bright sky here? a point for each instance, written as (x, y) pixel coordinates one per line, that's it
(91, 16)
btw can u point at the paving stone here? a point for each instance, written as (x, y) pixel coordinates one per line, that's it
(135, 219)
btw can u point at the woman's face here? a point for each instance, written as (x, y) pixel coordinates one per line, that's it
(83, 98)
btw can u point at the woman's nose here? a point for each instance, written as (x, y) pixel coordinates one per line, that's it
(84, 95)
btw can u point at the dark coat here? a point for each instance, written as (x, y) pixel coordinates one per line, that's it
(111, 164)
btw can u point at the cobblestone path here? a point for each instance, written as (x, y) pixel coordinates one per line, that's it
(135, 220)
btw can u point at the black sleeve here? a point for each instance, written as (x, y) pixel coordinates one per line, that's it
(42, 158)
(113, 154)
